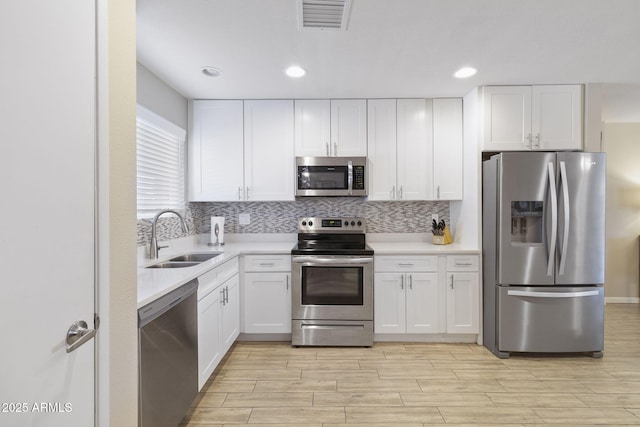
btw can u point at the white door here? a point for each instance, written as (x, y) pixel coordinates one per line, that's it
(389, 303)
(556, 122)
(268, 150)
(415, 146)
(422, 303)
(48, 110)
(312, 127)
(507, 118)
(348, 127)
(381, 148)
(216, 151)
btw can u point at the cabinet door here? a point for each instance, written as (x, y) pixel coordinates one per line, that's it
(268, 150)
(312, 127)
(231, 313)
(556, 122)
(267, 303)
(389, 303)
(216, 151)
(447, 149)
(507, 118)
(381, 148)
(422, 303)
(209, 342)
(415, 149)
(348, 127)
(463, 298)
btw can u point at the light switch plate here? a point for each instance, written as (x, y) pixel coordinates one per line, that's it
(244, 219)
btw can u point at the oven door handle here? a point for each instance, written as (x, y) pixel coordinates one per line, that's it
(322, 260)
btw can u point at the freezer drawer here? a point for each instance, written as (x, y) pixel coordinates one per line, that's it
(550, 320)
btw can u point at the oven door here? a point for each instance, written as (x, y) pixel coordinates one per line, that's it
(332, 287)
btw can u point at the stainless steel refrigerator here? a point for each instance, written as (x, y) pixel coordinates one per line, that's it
(543, 252)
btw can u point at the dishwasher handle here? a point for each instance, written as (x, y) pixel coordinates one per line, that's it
(157, 308)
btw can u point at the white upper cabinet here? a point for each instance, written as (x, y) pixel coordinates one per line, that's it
(447, 149)
(268, 150)
(381, 148)
(414, 149)
(532, 117)
(336, 127)
(312, 127)
(216, 151)
(241, 151)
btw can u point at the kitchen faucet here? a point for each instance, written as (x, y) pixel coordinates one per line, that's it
(153, 246)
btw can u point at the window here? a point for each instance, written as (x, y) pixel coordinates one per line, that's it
(160, 161)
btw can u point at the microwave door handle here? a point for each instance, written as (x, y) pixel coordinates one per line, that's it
(350, 177)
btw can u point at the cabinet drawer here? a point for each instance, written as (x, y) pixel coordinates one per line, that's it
(406, 263)
(462, 262)
(267, 263)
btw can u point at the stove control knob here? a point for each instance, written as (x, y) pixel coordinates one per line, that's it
(310, 223)
(346, 223)
(353, 223)
(359, 223)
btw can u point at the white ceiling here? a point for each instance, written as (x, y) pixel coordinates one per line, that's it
(392, 48)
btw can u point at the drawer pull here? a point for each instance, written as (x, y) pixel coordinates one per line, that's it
(267, 264)
(406, 264)
(463, 264)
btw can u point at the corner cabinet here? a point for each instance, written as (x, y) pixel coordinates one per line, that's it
(241, 150)
(544, 117)
(336, 127)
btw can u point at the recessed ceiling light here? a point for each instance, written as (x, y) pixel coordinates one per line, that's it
(211, 71)
(465, 72)
(295, 71)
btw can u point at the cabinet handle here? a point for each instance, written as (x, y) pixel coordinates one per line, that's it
(266, 264)
(451, 281)
(402, 282)
(438, 192)
(226, 295)
(463, 264)
(411, 281)
(327, 144)
(247, 195)
(401, 192)
(222, 300)
(239, 193)
(393, 193)
(405, 264)
(335, 148)
(287, 282)
(537, 138)
(530, 141)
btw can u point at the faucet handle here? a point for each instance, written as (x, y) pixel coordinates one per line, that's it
(162, 247)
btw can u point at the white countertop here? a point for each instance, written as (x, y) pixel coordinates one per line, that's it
(156, 282)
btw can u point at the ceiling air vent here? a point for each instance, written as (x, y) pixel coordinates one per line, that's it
(323, 14)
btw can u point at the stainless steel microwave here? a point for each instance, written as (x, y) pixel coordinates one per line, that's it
(331, 176)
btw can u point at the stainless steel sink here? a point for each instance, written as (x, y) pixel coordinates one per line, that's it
(195, 257)
(173, 264)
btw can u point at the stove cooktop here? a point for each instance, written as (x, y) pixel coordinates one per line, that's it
(332, 236)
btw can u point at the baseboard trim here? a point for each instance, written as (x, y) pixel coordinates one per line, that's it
(622, 300)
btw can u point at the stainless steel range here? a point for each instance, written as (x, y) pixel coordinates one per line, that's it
(332, 286)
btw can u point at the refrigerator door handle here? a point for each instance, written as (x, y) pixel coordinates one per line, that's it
(567, 219)
(554, 219)
(553, 294)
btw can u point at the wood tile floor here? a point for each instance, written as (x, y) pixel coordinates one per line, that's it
(410, 384)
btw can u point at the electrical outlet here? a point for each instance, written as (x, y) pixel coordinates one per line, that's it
(434, 217)
(244, 219)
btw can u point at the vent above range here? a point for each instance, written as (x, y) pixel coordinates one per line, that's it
(323, 14)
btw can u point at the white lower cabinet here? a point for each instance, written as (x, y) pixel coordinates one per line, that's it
(218, 316)
(463, 294)
(267, 294)
(426, 294)
(406, 294)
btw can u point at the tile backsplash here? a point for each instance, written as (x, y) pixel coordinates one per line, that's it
(281, 217)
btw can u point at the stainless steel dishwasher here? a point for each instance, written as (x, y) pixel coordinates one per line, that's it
(168, 357)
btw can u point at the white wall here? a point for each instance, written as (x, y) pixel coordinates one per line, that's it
(160, 98)
(622, 145)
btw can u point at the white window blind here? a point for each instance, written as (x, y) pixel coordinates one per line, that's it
(160, 160)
